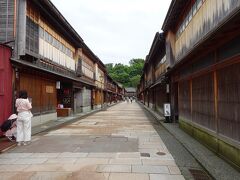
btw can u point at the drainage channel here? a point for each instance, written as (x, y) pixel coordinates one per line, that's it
(189, 166)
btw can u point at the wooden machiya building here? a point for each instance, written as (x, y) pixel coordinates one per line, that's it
(203, 51)
(104, 91)
(84, 93)
(100, 81)
(111, 90)
(154, 82)
(107, 90)
(120, 92)
(49, 59)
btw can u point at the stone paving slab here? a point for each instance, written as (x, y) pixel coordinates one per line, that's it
(128, 176)
(30, 161)
(104, 146)
(129, 161)
(61, 160)
(15, 155)
(89, 176)
(43, 168)
(12, 168)
(92, 161)
(19, 175)
(9, 175)
(79, 167)
(114, 168)
(102, 155)
(73, 155)
(46, 155)
(8, 161)
(158, 162)
(129, 155)
(150, 169)
(165, 177)
(51, 175)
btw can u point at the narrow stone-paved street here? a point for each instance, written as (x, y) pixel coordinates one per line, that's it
(116, 144)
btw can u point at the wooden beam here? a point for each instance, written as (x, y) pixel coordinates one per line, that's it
(215, 100)
(191, 98)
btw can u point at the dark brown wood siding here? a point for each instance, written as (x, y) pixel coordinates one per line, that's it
(184, 100)
(229, 101)
(203, 101)
(41, 90)
(161, 97)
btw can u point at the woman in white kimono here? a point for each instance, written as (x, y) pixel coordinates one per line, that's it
(24, 119)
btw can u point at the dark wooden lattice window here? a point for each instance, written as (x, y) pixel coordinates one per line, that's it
(6, 20)
(32, 36)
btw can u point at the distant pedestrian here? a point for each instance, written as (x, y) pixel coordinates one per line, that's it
(23, 106)
(131, 99)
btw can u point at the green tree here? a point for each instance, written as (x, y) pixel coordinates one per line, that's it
(136, 67)
(134, 81)
(109, 67)
(128, 75)
(136, 61)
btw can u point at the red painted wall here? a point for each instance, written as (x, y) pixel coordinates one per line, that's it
(5, 83)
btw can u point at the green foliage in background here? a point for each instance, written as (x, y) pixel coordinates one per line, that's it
(128, 75)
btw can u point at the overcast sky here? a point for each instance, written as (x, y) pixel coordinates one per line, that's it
(116, 30)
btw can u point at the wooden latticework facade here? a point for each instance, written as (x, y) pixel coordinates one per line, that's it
(203, 70)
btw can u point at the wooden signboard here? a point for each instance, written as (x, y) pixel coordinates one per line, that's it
(49, 89)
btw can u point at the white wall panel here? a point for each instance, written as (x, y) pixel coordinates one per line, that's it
(45, 49)
(52, 53)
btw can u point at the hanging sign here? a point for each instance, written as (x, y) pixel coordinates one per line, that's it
(167, 88)
(58, 85)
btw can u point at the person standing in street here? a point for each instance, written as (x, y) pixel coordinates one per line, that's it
(23, 106)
